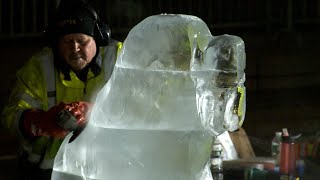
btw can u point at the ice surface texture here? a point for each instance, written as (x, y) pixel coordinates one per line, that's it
(174, 88)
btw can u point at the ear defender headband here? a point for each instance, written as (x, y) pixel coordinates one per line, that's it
(80, 19)
(102, 32)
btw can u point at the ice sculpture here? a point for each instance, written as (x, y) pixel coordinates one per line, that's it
(174, 88)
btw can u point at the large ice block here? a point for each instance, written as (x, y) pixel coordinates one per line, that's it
(174, 88)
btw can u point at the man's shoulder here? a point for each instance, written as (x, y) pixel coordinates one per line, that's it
(111, 50)
(113, 44)
(44, 54)
(37, 59)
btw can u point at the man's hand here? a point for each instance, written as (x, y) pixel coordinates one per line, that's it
(57, 121)
(74, 115)
(41, 123)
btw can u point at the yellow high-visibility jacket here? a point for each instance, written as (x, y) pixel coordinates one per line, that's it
(39, 85)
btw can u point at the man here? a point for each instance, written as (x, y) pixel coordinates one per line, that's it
(55, 88)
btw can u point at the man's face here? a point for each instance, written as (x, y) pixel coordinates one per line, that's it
(77, 50)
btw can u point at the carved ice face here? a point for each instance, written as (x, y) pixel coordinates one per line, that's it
(218, 74)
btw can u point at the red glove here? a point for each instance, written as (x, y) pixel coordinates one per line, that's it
(41, 123)
(57, 121)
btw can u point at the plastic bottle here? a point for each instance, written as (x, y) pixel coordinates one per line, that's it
(216, 162)
(300, 168)
(275, 146)
(287, 155)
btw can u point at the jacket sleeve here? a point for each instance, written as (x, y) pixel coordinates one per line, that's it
(27, 93)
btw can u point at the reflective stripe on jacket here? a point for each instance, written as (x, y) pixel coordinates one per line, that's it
(40, 86)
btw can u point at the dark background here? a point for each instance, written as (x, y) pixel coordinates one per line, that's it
(282, 49)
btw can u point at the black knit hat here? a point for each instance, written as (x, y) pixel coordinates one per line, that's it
(72, 16)
(76, 18)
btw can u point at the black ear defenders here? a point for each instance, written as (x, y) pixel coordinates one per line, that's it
(102, 32)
